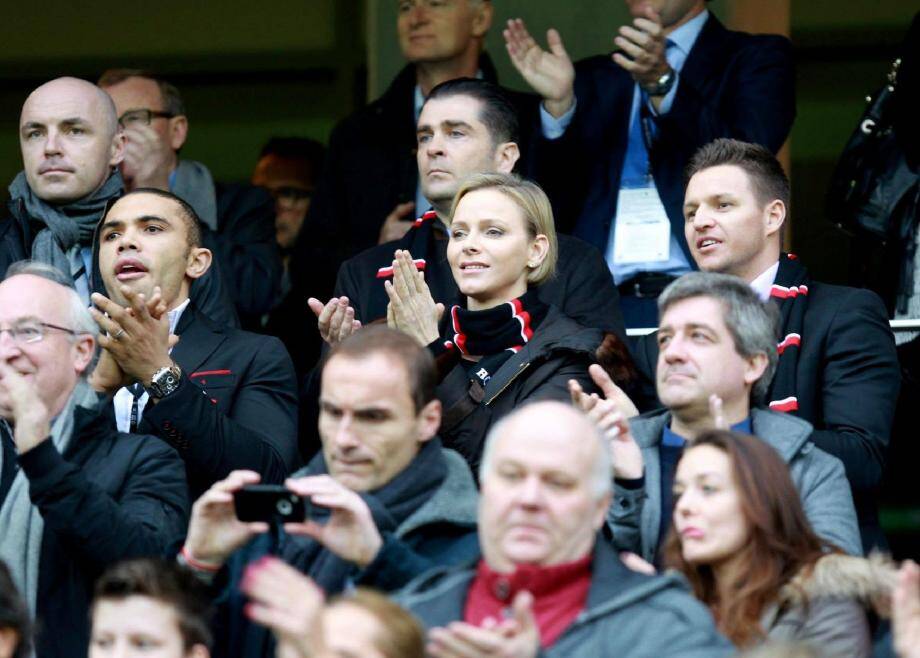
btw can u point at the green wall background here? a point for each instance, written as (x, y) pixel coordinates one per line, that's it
(294, 67)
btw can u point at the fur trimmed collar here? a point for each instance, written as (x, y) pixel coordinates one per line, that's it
(867, 580)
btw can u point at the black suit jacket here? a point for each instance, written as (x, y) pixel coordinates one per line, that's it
(732, 85)
(582, 287)
(236, 407)
(245, 246)
(847, 383)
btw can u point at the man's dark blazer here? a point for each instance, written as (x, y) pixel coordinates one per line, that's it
(847, 384)
(371, 167)
(245, 246)
(236, 407)
(582, 287)
(732, 85)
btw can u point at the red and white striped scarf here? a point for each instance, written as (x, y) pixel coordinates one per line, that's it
(790, 291)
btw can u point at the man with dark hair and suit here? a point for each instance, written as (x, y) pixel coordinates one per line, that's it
(838, 368)
(717, 357)
(466, 126)
(75, 495)
(237, 218)
(619, 130)
(224, 398)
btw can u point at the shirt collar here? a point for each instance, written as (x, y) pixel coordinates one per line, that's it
(764, 282)
(685, 36)
(175, 315)
(538, 580)
(669, 438)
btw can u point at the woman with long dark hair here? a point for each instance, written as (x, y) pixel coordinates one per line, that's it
(741, 538)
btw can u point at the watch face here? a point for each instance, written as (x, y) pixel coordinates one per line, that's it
(164, 382)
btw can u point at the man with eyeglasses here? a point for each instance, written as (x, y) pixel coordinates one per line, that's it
(289, 168)
(237, 217)
(76, 496)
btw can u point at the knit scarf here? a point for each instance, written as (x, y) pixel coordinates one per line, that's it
(417, 241)
(790, 291)
(66, 227)
(21, 523)
(496, 333)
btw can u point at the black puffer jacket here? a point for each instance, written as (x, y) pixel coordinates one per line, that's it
(560, 350)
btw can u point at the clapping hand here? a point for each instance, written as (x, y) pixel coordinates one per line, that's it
(550, 73)
(335, 319)
(515, 637)
(611, 414)
(643, 49)
(23, 406)
(137, 335)
(412, 308)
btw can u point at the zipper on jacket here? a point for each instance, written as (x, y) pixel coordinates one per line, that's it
(521, 369)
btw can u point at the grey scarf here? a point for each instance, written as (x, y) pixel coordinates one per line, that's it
(67, 227)
(22, 524)
(194, 184)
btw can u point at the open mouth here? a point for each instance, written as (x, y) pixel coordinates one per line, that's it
(129, 269)
(705, 243)
(473, 267)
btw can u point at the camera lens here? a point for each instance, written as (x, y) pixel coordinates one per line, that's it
(284, 507)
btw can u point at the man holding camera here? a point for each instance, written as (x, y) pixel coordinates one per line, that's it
(388, 502)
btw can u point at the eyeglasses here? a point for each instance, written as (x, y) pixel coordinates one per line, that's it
(33, 332)
(408, 5)
(289, 193)
(137, 117)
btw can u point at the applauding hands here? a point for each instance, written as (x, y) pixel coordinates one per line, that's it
(411, 308)
(550, 73)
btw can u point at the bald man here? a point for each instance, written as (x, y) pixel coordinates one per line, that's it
(548, 583)
(72, 144)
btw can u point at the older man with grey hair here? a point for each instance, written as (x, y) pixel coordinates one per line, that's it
(75, 495)
(717, 355)
(548, 584)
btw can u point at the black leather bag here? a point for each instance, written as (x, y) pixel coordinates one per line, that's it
(873, 191)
